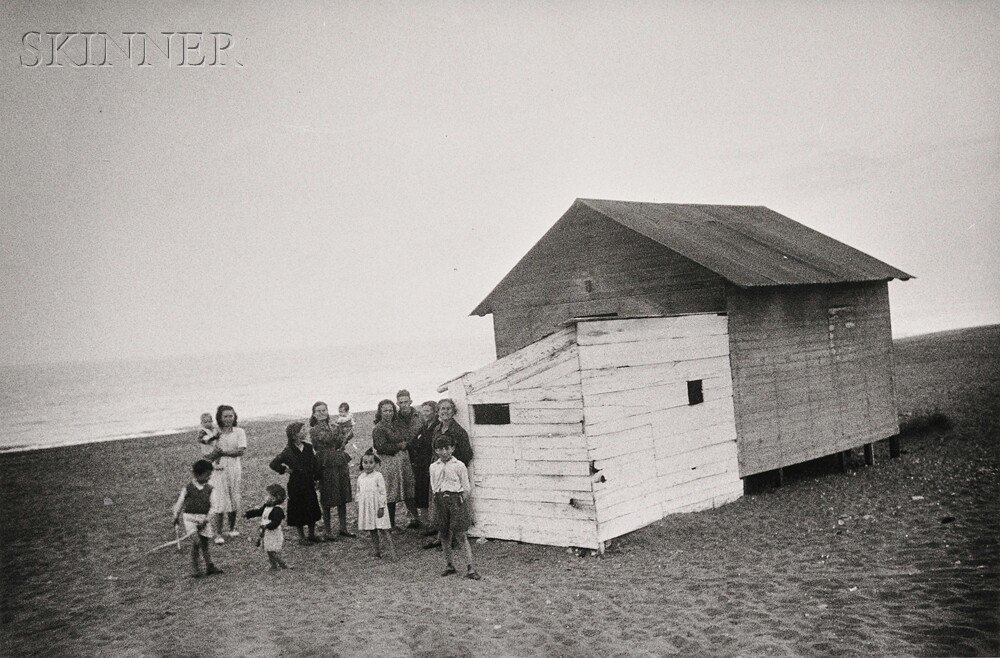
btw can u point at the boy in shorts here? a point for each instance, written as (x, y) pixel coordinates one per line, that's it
(193, 510)
(449, 484)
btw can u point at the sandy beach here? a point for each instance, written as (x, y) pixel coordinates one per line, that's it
(898, 558)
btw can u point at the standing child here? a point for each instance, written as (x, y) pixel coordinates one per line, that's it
(345, 420)
(449, 484)
(270, 533)
(208, 436)
(371, 504)
(193, 509)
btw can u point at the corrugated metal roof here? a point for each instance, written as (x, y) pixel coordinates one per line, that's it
(746, 245)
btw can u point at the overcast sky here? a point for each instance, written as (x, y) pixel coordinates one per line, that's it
(373, 170)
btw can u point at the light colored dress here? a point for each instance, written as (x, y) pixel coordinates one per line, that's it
(274, 539)
(371, 496)
(227, 479)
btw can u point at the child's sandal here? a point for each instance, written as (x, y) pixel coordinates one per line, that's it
(472, 575)
(449, 571)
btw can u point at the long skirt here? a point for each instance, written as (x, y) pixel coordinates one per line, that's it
(422, 485)
(398, 476)
(226, 484)
(303, 508)
(334, 486)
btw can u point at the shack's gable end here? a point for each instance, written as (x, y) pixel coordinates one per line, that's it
(587, 264)
(812, 371)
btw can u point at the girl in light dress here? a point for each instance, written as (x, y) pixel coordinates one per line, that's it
(372, 504)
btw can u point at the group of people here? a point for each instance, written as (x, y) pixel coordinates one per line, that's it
(419, 457)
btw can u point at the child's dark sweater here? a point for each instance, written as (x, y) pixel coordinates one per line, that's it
(275, 518)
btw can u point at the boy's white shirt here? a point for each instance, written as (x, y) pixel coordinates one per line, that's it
(440, 472)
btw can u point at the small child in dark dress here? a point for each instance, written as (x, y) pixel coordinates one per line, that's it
(193, 510)
(270, 534)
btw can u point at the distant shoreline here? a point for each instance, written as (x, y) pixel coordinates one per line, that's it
(265, 423)
(269, 423)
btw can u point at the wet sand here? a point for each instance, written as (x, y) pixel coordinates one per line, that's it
(898, 558)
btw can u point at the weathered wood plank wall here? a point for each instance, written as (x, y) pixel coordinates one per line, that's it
(532, 479)
(586, 265)
(812, 371)
(654, 453)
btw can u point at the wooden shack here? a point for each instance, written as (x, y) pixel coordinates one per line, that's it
(651, 355)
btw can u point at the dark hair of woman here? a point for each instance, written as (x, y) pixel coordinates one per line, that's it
(378, 410)
(293, 430)
(312, 414)
(218, 414)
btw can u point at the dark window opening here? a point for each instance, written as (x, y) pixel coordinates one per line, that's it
(695, 394)
(491, 414)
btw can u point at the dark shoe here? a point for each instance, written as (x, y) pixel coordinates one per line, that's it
(315, 540)
(472, 575)
(449, 571)
(434, 543)
(347, 533)
(212, 570)
(414, 524)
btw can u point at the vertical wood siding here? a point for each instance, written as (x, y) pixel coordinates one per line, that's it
(812, 371)
(588, 264)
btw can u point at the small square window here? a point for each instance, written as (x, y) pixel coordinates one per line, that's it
(491, 414)
(695, 394)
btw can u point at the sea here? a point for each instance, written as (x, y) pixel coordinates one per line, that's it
(52, 404)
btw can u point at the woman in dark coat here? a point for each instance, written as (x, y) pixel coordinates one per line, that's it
(421, 450)
(449, 427)
(335, 478)
(299, 461)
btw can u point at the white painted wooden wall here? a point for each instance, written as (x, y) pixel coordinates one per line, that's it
(531, 478)
(657, 454)
(609, 396)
